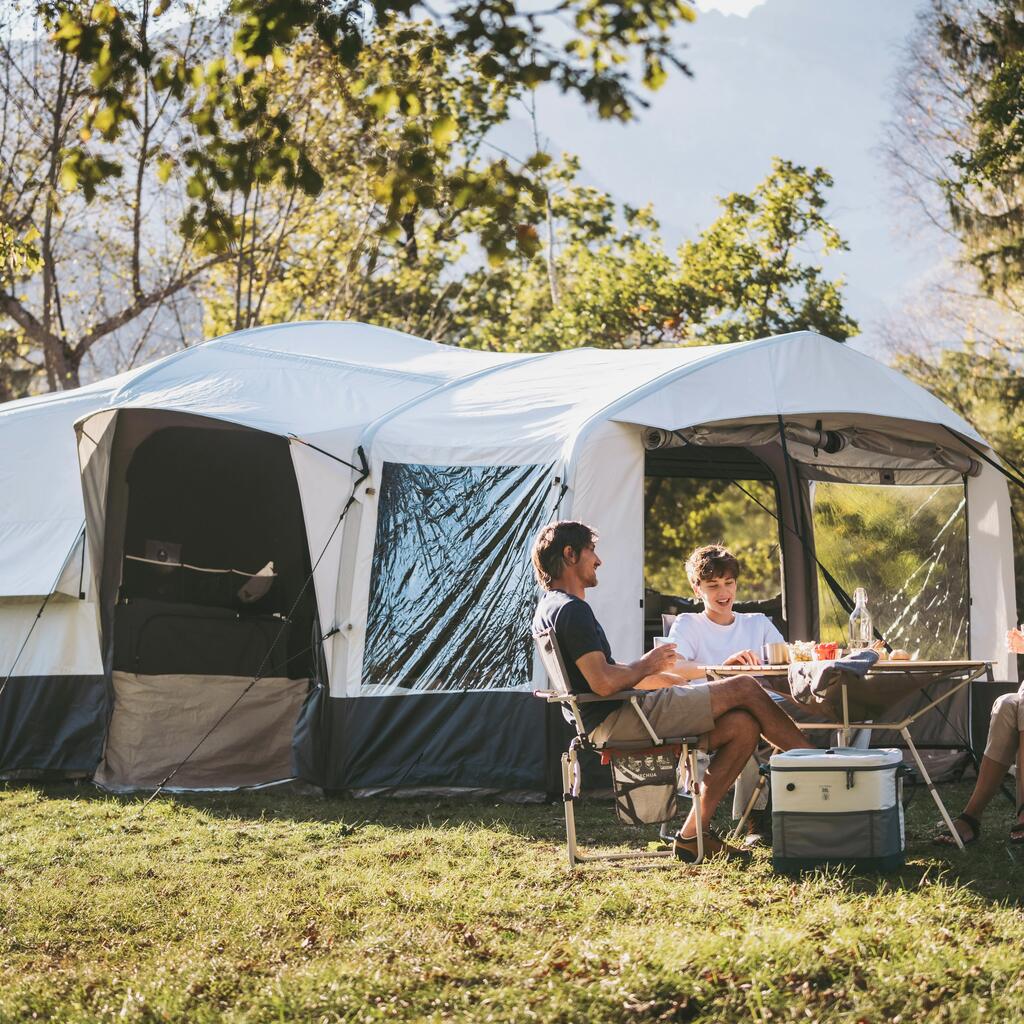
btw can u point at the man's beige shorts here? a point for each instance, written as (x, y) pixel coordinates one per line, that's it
(673, 711)
(1005, 727)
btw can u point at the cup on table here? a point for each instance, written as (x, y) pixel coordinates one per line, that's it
(775, 654)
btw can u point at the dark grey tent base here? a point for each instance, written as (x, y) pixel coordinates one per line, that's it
(473, 739)
(55, 727)
(52, 725)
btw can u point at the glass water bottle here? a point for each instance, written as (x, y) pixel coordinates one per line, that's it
(861, 633)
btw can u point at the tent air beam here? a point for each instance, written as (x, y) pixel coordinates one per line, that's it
(832, 443)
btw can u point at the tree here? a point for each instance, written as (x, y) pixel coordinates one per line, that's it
(124, 262)
(955, 145)
(19, 259)
(746, 276)
(104, 259)
(229, 103)
(955, 148)
(335, 255)
(985, 49)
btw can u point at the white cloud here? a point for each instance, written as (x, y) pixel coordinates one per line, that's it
(740, 7)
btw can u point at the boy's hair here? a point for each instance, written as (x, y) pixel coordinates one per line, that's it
(710, 561)
(552, 540)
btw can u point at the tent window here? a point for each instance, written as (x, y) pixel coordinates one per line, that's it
(452, 589)
(907, 546)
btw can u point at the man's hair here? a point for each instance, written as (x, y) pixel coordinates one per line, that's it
(709, 561)
(552, 540)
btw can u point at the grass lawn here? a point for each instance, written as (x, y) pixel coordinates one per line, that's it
(275, 907)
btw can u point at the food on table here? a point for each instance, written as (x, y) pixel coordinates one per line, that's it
(900, 655)
(826, 651)
(801, 650)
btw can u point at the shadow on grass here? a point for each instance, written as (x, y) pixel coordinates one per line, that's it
(990, 868)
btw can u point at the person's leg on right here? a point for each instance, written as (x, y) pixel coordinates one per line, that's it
(1001, 750)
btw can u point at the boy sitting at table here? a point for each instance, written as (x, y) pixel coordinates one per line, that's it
(720, 636)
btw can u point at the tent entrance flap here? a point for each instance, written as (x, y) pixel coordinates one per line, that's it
(205, 554)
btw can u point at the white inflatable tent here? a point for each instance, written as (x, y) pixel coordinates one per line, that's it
(246, 450)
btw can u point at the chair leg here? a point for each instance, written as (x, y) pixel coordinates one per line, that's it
(762, 781)
(568, 767)
(691, 761)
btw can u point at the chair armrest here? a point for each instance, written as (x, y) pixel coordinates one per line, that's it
(588, 698)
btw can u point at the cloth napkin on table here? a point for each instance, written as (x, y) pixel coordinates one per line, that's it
(819, 682)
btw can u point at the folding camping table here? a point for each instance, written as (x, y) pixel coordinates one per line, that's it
(885, 685)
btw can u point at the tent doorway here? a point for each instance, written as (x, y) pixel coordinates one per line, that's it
(205, 555)
(695, 496)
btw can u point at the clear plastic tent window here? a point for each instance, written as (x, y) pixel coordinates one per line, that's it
(907, 546)
(452, 591)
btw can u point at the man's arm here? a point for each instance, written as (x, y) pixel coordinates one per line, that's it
(662, 662)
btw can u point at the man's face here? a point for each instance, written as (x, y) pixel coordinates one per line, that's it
(717, 593)
(585, 564)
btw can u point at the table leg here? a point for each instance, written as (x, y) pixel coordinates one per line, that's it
(905, 732)
(846, 719)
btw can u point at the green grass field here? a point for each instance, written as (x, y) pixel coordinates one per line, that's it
(266, 906)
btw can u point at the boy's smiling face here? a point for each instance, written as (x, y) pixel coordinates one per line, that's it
(718, 595)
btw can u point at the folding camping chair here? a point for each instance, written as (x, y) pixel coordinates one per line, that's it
(683, 749)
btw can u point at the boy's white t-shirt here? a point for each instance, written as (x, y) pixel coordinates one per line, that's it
(699, 639)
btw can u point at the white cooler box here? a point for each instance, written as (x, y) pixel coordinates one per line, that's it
(838, 806)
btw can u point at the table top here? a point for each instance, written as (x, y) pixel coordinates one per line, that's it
(879, 666)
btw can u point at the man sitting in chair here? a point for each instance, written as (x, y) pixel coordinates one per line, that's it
(729, 715)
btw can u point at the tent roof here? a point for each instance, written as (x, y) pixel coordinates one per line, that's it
(416, 400)
(308, 378)
(539, 407)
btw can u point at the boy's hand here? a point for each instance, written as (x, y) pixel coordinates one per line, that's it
(1015, 641)
(742, 658)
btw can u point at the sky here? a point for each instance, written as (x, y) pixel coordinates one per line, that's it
(807, 80)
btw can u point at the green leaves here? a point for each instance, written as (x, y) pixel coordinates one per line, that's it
(609, 280)
(444, 131)
(981, 50)
(232, 97)
(19, 257)
(79, 170)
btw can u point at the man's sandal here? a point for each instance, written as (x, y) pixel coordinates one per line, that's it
(685, 849)
(945, 838)
(1017, 831)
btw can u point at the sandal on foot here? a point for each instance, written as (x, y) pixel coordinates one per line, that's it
(945, 838)
(1017, 830)
(685, 849)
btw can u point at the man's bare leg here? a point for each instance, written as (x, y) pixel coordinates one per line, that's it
(990, 777)
(732, 741)
(1020, 778)
(745, 693)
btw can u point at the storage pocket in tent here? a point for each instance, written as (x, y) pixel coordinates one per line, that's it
(199, 637)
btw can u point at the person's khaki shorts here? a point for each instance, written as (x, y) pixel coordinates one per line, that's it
(1004, 728)
(673, 711)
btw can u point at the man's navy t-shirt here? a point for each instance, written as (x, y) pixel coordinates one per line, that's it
(578, 632)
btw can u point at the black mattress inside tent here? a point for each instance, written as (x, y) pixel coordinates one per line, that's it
(214, 506)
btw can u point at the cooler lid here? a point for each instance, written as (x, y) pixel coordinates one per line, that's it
(837, 759)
